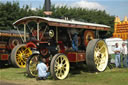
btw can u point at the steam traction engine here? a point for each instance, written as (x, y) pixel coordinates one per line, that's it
(8, 40)
(60, 42)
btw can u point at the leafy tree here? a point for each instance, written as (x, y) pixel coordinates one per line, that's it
(85, 15)
(10, 12)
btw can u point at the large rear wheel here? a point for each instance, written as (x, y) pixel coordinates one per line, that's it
(59, 67)
(19, 55)
(97, 55)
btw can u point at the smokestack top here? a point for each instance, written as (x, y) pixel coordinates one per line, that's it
(47, 7)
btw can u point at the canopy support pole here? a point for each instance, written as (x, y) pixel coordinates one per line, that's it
(57, 34)
(38, 31)
(24, 32)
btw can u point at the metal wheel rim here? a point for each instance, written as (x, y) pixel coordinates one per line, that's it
(32, 65)
(21, 56)
(101, 55)
(61, 67)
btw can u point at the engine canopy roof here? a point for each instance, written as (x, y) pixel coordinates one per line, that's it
(62, 23)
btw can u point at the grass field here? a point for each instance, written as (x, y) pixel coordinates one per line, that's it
(77, 76)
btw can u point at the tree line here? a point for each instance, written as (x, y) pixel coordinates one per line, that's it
(10, 12)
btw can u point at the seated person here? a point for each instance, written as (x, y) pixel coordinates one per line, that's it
(42, 69)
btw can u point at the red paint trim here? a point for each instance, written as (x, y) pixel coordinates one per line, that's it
(4, 57)
(72, 57)
(76, 56)
(77, 26)
(31, 44)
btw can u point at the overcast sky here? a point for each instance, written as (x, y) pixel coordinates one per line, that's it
(113, 7)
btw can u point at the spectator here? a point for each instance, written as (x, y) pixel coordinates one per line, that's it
(127, 60)
(42, 69)
(124, 53)
(117, 56)
(127, 53)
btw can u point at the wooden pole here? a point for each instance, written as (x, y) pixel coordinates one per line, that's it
(38, 31)
(24, 32)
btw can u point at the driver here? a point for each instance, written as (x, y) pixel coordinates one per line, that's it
(75, 42)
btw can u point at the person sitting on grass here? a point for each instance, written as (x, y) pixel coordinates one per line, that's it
(42, 69)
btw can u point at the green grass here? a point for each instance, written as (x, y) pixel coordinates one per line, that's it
(77, 76)
(12, 73)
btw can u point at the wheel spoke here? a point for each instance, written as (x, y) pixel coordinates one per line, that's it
(56, 70)
(61, 73)
(101, 48)
(57, 63)
(26, 50)
(96, 49)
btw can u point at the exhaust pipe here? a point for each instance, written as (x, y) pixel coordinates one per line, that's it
(47, 7)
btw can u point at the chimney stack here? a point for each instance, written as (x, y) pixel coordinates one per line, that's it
(47, 8)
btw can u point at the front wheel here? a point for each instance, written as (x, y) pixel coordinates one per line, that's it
(32, 62)
(97, 55)
(59, 66)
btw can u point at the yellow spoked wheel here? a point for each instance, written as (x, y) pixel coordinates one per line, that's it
(97, 55)
(32, 62)
(19, 55)
(59, 66)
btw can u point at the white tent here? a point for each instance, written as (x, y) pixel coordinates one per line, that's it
(111, 43)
